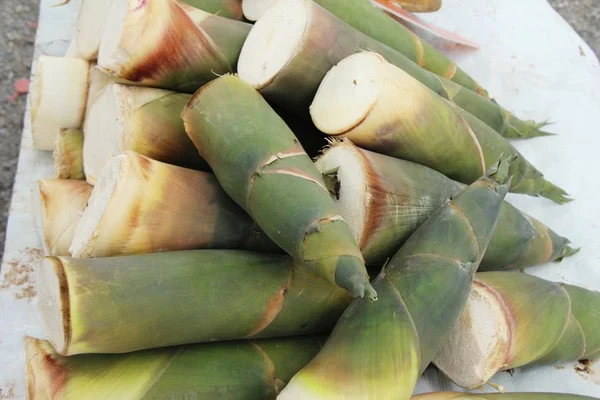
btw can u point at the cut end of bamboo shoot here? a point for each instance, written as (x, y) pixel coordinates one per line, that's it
(58, 204)
(53, 300)
(348, 92)
(254, 9)
(97, 204)
(470, 357)
(346, 184)
(58, 97)
(91, 21)
(273, 41)
(112, 53)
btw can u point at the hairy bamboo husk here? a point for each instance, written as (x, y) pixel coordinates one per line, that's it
(250, 369)
(140, 205)
(139, 119)
(289, 51)
(262, 166)
(169, 44)
(123, 304)
(68, 154)
(500, 327)
(364, 99)
(384, 199)
(417, 5)
(422, 292)
(58, 207)
(499, 396)
(58, 97)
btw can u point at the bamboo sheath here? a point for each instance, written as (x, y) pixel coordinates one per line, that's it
(68, 154)
(422, 292)
(364, 99)
(385, 199)
(262, 166)
(243, 370)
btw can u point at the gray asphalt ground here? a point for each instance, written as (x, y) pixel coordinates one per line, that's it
(16, 49)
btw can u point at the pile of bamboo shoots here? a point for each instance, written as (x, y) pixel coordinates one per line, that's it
(197, 248)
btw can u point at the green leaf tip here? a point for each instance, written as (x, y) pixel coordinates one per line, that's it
(568, 251)
(499, 172)
(554, 193)
(518, 129)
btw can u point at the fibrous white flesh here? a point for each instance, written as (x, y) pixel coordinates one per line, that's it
(352, 194)
(72, 51)
(91, 21)
(348, 92)
(97, 82)
(273, 41)
(50, 304)
(109, 123)
(478, 347)
(99, 200)
(254, 9)
(111, 53)
(39, 212)
(58, 97)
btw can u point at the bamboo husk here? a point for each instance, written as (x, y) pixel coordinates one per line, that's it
(262, 166)
(499, 396)
(500, 327)
(385, 199)
(57, 98)
(364, 99)
(139, 205)
(58, 207)
(378, 350)
(218, 371)
(184, 48)
(123, 304)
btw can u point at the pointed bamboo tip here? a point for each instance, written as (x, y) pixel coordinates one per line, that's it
(568, 251)
(556, 194)
(518, 129)
(499, 172)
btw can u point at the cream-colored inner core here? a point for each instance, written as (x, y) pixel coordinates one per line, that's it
(478, 346)
(352, 184)
(254, 9)
(273, 41)
(111, 54)
(348, 92)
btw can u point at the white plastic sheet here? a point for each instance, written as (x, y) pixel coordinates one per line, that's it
(531, 61)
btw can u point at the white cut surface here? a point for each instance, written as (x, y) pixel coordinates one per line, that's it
(254, 9)
(111, 55)
(104, 129)
(352, 200)
(57, 98)
(479, 345)
(91, 21)
(273, 41)
(98, 203)
(348, 92)
(50, 304)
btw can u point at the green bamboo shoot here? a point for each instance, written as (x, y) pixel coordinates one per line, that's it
(123, 304)
(169, 44)
(364, 99)
(58, 206)
(384, 199)
(242, 370)
(262, 166)
(500, 327)
(378, 350)
(68, 154)
(289, 51)
(139, 205)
